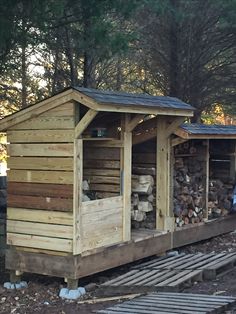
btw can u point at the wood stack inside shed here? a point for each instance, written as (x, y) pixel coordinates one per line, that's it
(144, 186)
(189, 183)
(219, 198)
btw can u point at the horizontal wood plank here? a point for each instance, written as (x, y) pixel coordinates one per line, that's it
(58, 177)
(41, 216)
(104, 187)
(99, 153)
(100, 205)
(62, 110)
(40, 136)
(39, 202)
(106, 194)
(55, 244)
(38, 150)
(40, 189)
(102, 179)
(40, 229)
(41, 163)
(102, 172)
(105, 164)
(48, 123)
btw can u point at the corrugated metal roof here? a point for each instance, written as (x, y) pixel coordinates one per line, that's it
(205, 129)
(128, 99)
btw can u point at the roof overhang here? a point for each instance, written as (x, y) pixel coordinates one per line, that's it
(187, 135)
(72, 94)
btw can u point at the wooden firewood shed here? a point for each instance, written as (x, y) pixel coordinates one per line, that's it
(69, 182)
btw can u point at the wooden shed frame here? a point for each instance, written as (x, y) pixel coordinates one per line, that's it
(77, 262)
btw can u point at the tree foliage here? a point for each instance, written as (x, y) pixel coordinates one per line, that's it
(180, 48)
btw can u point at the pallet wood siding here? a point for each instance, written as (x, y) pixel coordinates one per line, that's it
(40, 181)
(101, 222)
(102, 170)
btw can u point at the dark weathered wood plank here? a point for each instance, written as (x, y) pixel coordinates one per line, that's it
(38, 202)
(41, 189)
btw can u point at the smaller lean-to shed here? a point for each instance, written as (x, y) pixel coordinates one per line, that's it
(204, 175)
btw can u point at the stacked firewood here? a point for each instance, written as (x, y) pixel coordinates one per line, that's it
(219, 198)
(142, 196)
(188, 191)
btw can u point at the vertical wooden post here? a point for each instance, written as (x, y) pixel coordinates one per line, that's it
(126, 161)
(233, 162)
(77, 195)
(164, 219)
(207, 171)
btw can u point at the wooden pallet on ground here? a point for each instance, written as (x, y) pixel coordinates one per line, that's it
(149, 280)
(211, 264)
(170, 303)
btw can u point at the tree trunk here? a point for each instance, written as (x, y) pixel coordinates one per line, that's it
(23, 65)
(88, 70)
(174, 84)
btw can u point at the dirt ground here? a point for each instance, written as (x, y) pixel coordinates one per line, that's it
(42, 293)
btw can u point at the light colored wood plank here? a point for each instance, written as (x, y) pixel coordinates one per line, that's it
(40, 229)
(40, 202)
(127, 172)
(101, 205)
(207, 173)
(144, 136)
(41, 163)
(40, 216)
(58, 177)
(134, 122)
(102, 222)
(163, 174)
(41, 150)
(37, 109)
(177, 121)
(55, 244)
(177, 141)
(102, 172)
(104, 143)
(77, 195)
(84, 122)
(40, 136)
(62, 110)
(48, 123)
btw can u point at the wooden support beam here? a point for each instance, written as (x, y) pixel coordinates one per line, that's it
(163, 174)
(134, 122)
(77, 199)
(177, 141)
(233, 161)
(143, 137)
(84, 122)
(207, 171)
(177, 121)
(126, 170)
